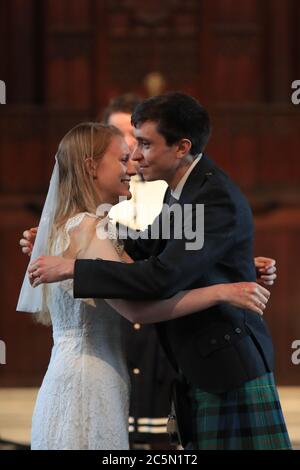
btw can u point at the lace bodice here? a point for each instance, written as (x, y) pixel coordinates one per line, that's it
(84, 395)
(68, 313)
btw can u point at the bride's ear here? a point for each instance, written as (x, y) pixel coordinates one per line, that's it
(90, 166)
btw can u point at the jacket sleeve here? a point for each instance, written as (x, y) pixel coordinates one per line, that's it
(175, 268)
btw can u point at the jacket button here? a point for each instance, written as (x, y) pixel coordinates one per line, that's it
(238, 330)
(227, 337)
(213, 341)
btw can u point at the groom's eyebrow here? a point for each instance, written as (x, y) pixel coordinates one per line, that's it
(142, 139)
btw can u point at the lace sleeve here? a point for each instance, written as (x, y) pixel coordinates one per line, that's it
(63, 239)
(103, 229)
(107, 229)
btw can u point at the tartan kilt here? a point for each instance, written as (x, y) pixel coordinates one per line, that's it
(247, 418)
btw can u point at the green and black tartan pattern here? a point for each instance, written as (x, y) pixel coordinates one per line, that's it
(247, 418)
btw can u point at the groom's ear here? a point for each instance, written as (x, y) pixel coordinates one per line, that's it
(90, 166)
(183, 148)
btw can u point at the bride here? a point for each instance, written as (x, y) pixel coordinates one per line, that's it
(83, 400)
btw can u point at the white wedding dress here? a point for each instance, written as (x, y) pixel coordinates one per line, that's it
(84, 398)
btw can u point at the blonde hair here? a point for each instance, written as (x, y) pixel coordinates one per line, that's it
(76, 192)
(86, 140)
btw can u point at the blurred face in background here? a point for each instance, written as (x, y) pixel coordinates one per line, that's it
(123, 122)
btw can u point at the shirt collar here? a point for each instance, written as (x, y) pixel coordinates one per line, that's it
(178, 190)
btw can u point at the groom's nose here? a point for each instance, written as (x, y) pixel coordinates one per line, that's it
(136, 155)
(131, 168)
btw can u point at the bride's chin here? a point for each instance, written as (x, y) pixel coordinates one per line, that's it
(121, 197)
(126, 194)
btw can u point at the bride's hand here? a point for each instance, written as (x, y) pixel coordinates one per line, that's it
(265, 270)
(247, 295)
(28, 241)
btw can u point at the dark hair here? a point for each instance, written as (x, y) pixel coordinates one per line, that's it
(121, 104)
(178, 116)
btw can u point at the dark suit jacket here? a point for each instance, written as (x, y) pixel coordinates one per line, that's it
(217, 349)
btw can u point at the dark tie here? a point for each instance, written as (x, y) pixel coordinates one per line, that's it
(172, 200)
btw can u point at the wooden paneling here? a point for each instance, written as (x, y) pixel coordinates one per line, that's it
(233, 69)
(29, 140)
(84, 52)
(19, 48)
(4, 28)
(27, 345)
(277, 236)
(68, 60)
(258, 146)
(62, 60)
(279, 29)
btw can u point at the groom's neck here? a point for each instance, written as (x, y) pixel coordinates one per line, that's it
(179, 173)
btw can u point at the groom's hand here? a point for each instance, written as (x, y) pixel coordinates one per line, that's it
(265, 270)
(28, 241)
(46, 269)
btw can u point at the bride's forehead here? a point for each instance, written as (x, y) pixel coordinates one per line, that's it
(118, 147)
(118, 141)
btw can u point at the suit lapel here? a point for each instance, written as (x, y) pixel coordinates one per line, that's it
(196, 179)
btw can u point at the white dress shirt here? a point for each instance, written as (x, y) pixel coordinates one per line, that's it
(178, 190)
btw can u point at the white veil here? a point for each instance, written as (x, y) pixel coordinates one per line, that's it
(33, 299)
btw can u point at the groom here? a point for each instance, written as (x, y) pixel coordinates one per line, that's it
(215, 351)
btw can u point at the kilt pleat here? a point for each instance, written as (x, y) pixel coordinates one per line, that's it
(247, 418)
